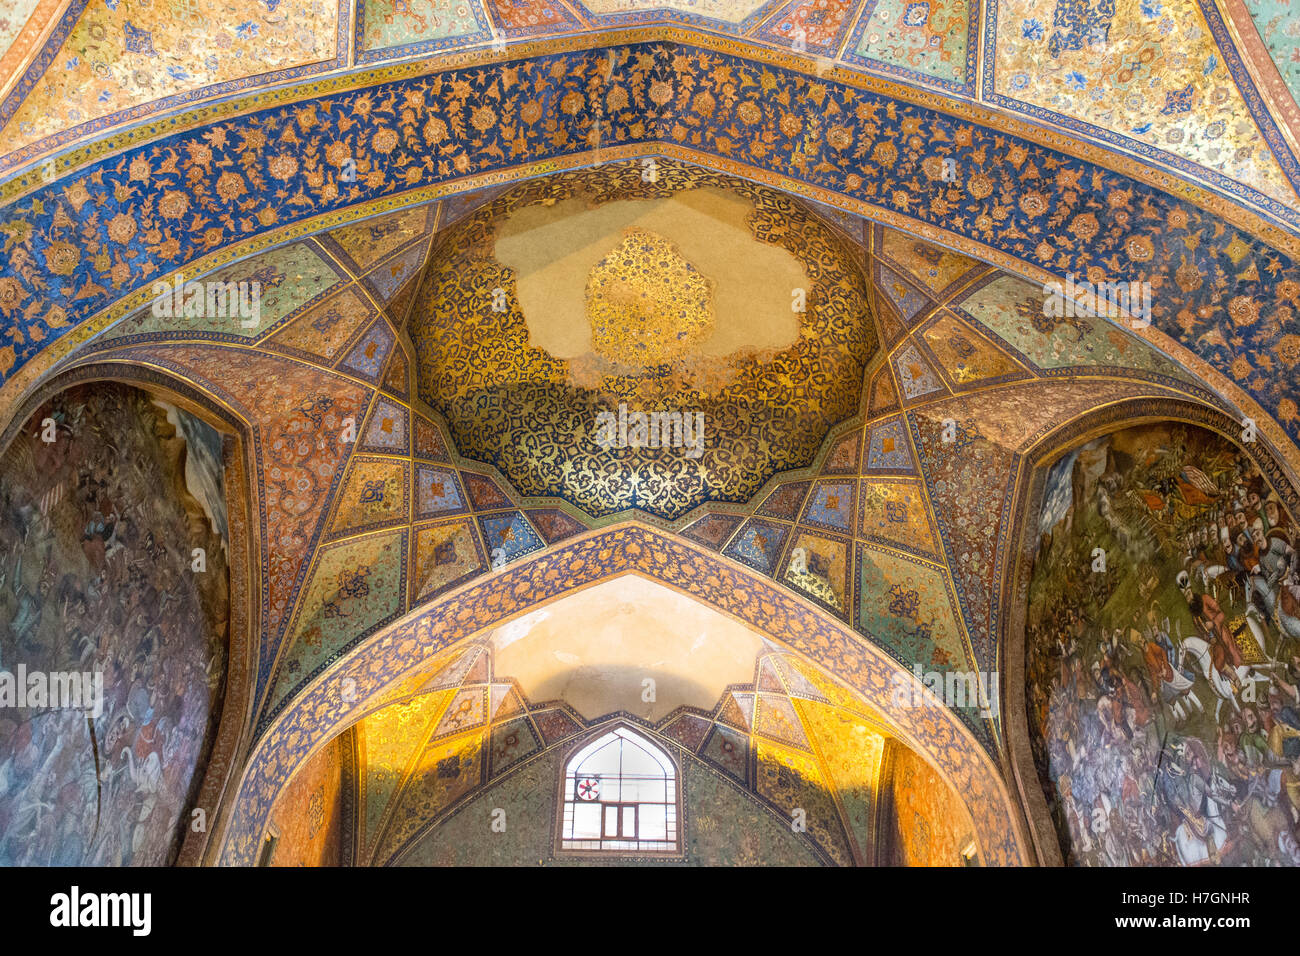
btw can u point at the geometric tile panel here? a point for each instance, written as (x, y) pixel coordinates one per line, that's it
(446, 554)
(712, 530)
(389, 277)
(728, 750)
(689, 730)
(288, 278)
(366, 358)
(896, 513)
(884, 398)
(891, 326)
(768, 679)
(555, 525)
(916, 376)
(385, 29)
(775, 718)
(325, 326)
(906, 606)
(818, 566)
(844, 454)
(785, 501)
(505, 702)
(428, 441)
(830, 505)
(532, 18)
(796, 684)
(510, 743)
(395, 379)
(508, 536)
(737, 710)
(1077, 66)
(934, 267)
(467, 710)
(1013, 309)
(370, 240)
(373, 493)
(758, 544)
(851, 754)
(968, 359)
(355, 587)
(389, 740)
(437, 492)
(443, 773)
(555, 725)
(889, 451)
(399, 307)
(812, 26)
(907, 301)
(387, 429)
(484, 493)
(933, 41)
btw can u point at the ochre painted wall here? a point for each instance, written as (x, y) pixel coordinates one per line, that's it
(308, 816)
(925, 823)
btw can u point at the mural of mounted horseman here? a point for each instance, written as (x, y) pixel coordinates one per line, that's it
(1163, 683)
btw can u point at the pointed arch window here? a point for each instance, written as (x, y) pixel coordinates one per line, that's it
(620, 795)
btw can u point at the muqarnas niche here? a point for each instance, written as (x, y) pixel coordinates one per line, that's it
(1164, 691)
(97, 535)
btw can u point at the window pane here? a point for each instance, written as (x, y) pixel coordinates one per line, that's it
(653, 822)
(586, 821)
(601, 757)
(637, 762)
(644, 791)
(629, 822)
(611, 821)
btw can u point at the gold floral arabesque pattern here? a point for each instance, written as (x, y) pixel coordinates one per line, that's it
(516, 406)
(646, 304)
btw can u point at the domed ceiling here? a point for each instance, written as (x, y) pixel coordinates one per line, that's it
(880, 527)
(559, 314)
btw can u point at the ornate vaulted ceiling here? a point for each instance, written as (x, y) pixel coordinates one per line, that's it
(861, 508)
(923, 167)
(775, 736)
(90, 230)
(758, 730)
(599, 293)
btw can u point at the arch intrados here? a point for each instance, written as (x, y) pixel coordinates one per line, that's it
(320, 712)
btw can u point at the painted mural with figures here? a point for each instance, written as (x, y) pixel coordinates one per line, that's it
(1164, 684)
(97, 576)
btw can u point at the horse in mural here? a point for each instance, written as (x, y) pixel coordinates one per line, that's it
(1269, 822)
(1222, 682)
(1278, 603)
(1165, 666)
(1215, 650)
(1198, 796)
